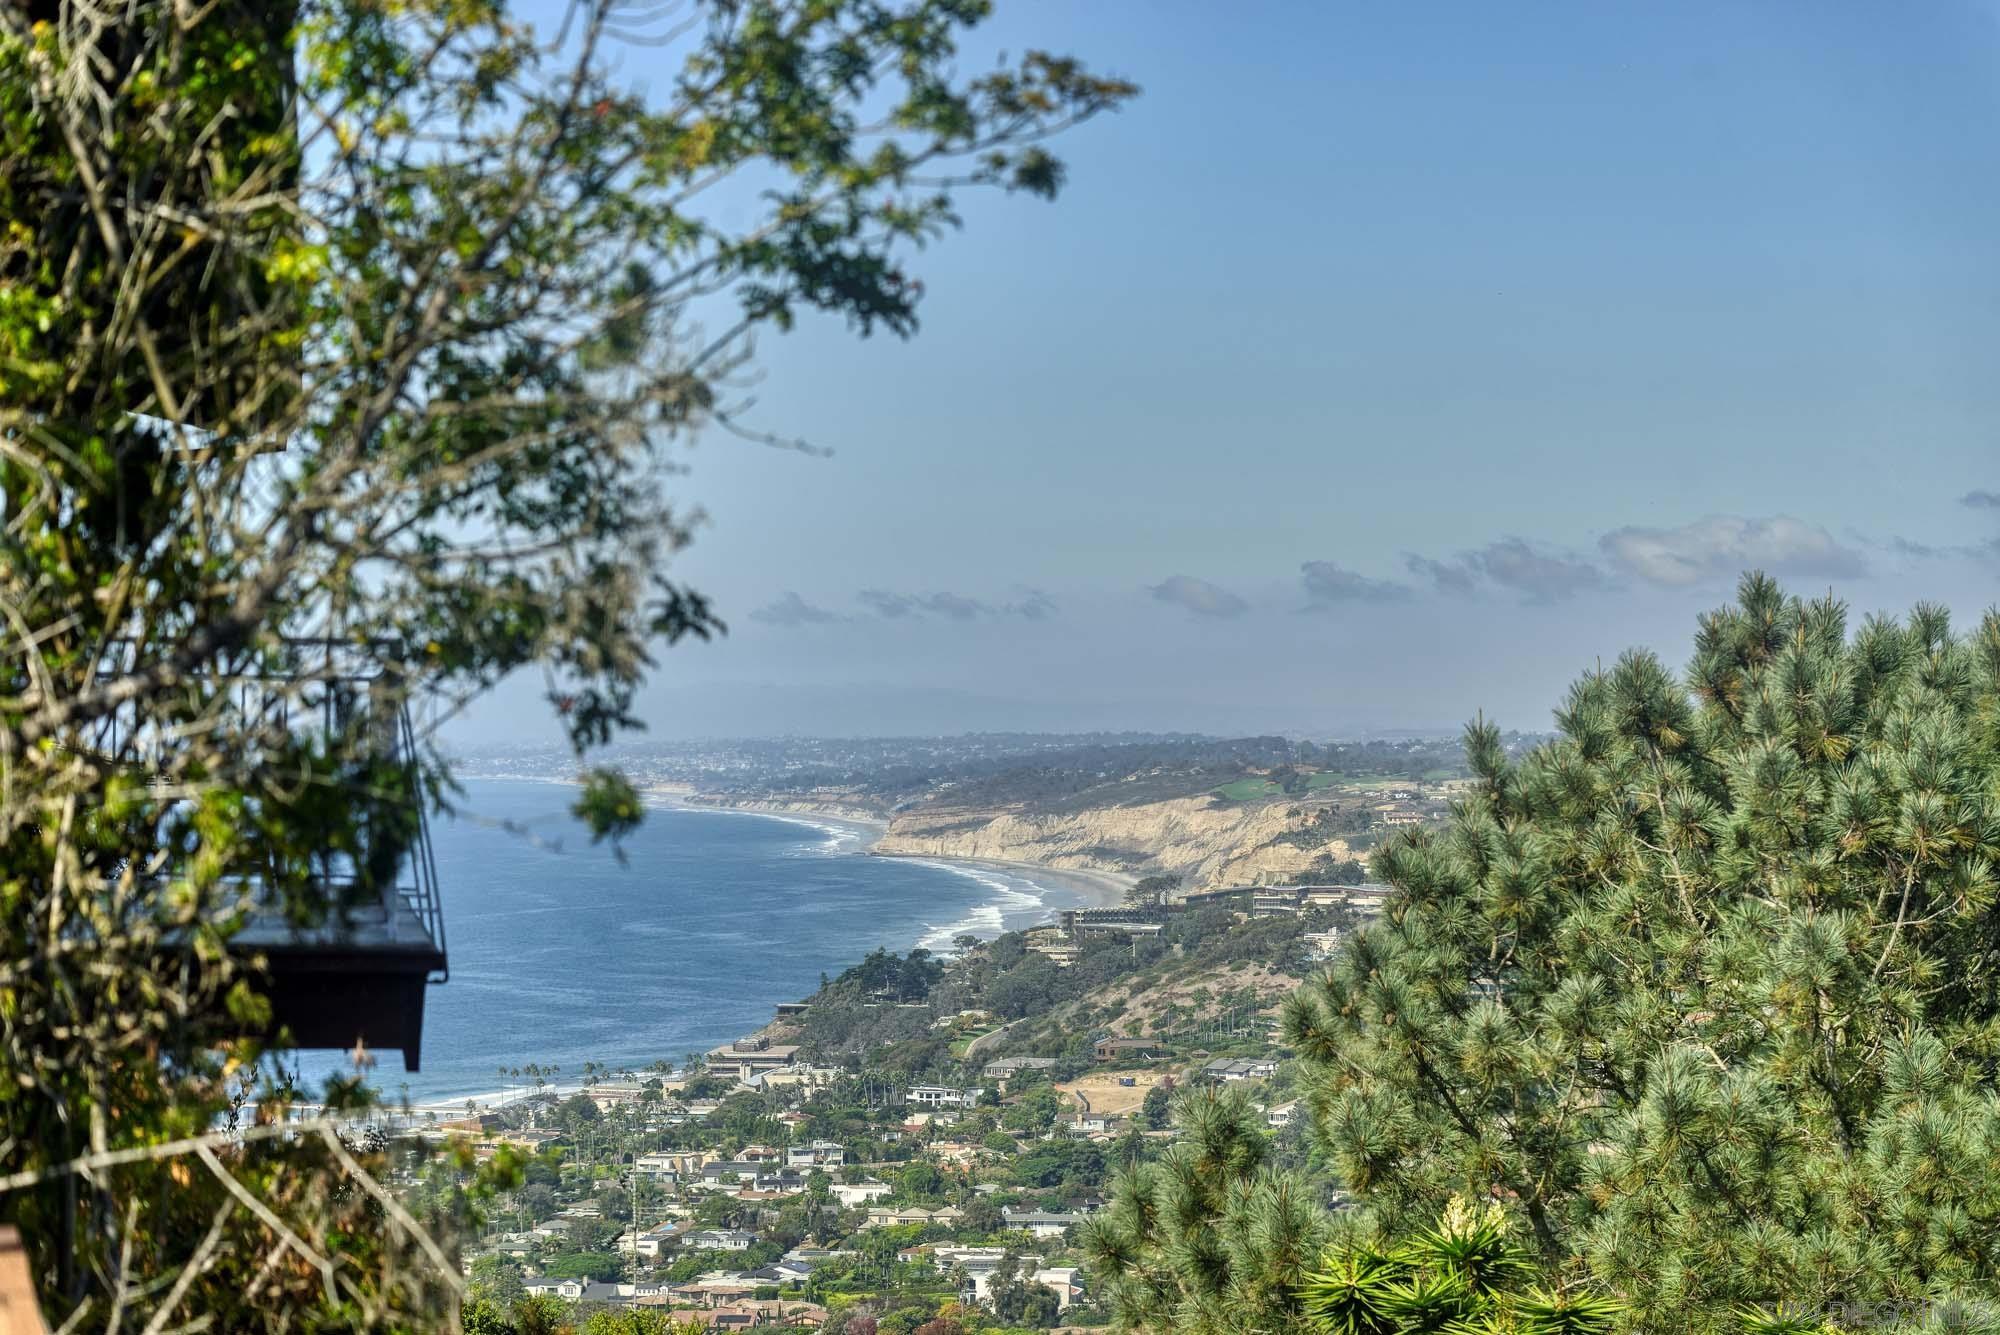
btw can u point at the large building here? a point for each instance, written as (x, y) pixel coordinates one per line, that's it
(748, 1058)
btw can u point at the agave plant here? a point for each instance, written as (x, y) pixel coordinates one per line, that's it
(1469, 1275)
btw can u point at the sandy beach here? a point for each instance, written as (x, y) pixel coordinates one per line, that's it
(1103, 889)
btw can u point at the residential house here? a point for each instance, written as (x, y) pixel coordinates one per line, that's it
(667, 1167)
(1227, 1070)
(748, 1057)
(942, 1096)
(765, 1315)
(1006, 1068)
(1093, 1124)
(980, 1264)
(657, 1242)
(818, 1154)
(1282, 1115)
(608, 1097)
(719, 1240)
(851, 1194)
(885, 1216)
(536, 1286)
(1041, 1223)
(1063, 1279)
(714, 1291)
(1126, 1049)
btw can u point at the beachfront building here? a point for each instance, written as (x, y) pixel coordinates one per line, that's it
(748, 1058)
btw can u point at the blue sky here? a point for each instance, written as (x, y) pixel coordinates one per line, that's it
(1381, 364)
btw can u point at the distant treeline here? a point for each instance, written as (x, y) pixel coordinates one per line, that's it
(1143, 770)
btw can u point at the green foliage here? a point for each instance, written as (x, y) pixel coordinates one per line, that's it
(1207, 1238)
(340, 332)
(1467, 1274)
(1705, 987)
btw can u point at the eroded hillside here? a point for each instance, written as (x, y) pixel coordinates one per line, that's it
(1204, 839)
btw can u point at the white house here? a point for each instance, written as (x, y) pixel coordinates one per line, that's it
(1041, 1223)
(943, 1096)
(719, 1240)
(819, 1154)
(851, 1194)
(541, 1285)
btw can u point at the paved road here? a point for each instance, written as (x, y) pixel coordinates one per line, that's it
(972, 1048)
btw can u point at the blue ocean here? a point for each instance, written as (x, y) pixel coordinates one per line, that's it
(560, 954)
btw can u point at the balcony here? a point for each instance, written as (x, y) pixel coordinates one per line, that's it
(344, 946)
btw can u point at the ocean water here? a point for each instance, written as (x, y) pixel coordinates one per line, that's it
(561, 955)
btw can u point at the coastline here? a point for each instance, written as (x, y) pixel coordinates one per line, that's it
(1019, 894)
(1099, 889)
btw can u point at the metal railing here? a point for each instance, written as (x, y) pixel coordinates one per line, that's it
(323, 686)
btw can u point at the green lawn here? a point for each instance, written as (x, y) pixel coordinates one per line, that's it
(1245, 789)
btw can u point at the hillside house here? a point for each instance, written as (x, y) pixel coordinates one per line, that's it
(719, 1240)
(886, 1216)
(1228, 1070)
(818, 1154)
(851, 1194)
(1006, 1068)
(1126, 1049)
(942, 1096)
(1041, 1223)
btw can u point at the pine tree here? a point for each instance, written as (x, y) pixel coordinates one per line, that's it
(1704, 988)
(1208, 1238)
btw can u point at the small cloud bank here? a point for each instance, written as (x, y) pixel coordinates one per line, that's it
(1327, 584)
(1723, 546)
(1538, 574)
(1198, 596)
(1981, 500)
(1032, 604)
(792, 610)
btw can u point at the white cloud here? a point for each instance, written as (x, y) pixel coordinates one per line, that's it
(1722, 547)
(1198, 596)
(791, 610)
(1326, 584)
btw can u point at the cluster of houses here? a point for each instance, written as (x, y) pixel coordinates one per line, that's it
(1063, 943)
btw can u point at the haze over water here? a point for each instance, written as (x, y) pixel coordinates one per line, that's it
(560, 955)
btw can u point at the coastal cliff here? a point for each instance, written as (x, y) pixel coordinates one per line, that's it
(1202, 839)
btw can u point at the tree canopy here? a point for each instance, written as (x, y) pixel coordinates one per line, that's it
(357, 332)
(1705, 989)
